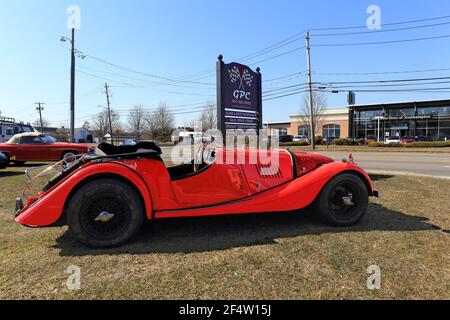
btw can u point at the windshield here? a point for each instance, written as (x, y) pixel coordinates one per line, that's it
(47, 139)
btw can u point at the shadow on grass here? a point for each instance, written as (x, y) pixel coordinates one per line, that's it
(378, 177)
(10, 173)
(188, 235)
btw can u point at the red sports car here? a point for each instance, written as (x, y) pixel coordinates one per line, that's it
(105, 199)
(35, 146)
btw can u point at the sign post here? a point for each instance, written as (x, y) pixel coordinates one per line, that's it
(239, 99)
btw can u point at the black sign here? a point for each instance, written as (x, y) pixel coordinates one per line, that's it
(238, 97)
(405, 117)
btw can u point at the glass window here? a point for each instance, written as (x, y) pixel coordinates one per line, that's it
(30, 140)
(331, 130)
(281, 131)
(303, 131)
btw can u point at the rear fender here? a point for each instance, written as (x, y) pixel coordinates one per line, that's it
(50, 206)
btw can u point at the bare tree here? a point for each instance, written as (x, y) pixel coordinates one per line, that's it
(136, 122)
(161, 122)
(319, 106)
(37, 123)
(208, 117)
(86, 125)
(100, 123)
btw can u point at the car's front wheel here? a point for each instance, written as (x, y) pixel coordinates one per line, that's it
(343, 200)
(105, 213)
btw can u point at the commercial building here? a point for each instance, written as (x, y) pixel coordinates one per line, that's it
(430, 118)
(331, 123)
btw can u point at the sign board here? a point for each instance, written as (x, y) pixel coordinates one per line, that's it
(239, 103)
(405, 117)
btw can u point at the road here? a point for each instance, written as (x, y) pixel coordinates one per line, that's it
(417, 163)
(412, 163)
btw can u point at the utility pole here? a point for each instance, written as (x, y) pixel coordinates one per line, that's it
(40, 108)
(72, 88)
(109, 112)
(311, 108)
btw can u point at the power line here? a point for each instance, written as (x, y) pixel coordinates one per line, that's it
(378, 42)
(390, 85)
(137, 72)
(379, 31)
(384, 80)
(383, 25)
(130, 85)
(380, 72)
(139, 79)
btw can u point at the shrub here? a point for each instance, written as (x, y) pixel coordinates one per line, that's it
(360, 141)
(343, 142)
(424, 144)
(386, 145)
(294, 144)
(318, 140)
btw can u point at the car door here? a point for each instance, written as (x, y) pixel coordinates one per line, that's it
(27, 149)
(214, 184)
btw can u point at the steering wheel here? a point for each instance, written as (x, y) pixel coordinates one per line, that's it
(198, 159)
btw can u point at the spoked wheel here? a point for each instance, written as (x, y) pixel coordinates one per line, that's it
(343, 201)
(69, 156)
(105, 213)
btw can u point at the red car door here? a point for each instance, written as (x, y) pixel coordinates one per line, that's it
(212, 185)
(27, 150)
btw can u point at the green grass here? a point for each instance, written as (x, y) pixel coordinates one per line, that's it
(262, 256)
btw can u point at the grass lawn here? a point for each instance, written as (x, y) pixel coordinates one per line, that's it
(262, 256)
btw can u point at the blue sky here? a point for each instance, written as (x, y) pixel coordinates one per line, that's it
(179, 38)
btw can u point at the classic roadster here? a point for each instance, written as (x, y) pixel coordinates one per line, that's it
(105, 199)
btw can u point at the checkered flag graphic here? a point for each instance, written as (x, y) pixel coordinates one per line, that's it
(234, 73)
(248, 78)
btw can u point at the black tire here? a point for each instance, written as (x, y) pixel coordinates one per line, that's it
(343, 200)
(105, 195)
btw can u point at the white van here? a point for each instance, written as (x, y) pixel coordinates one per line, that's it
(9, 127)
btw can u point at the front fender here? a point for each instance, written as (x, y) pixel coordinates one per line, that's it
(49, 207)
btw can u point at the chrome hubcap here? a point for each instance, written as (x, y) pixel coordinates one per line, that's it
(347, 200)
(104, 216)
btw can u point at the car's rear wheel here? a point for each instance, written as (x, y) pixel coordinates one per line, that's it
(343, 200)
(105, 213)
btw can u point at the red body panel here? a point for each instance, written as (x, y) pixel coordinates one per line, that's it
(218, 189)
(42, 151)
(50, 205)
(296, 194)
